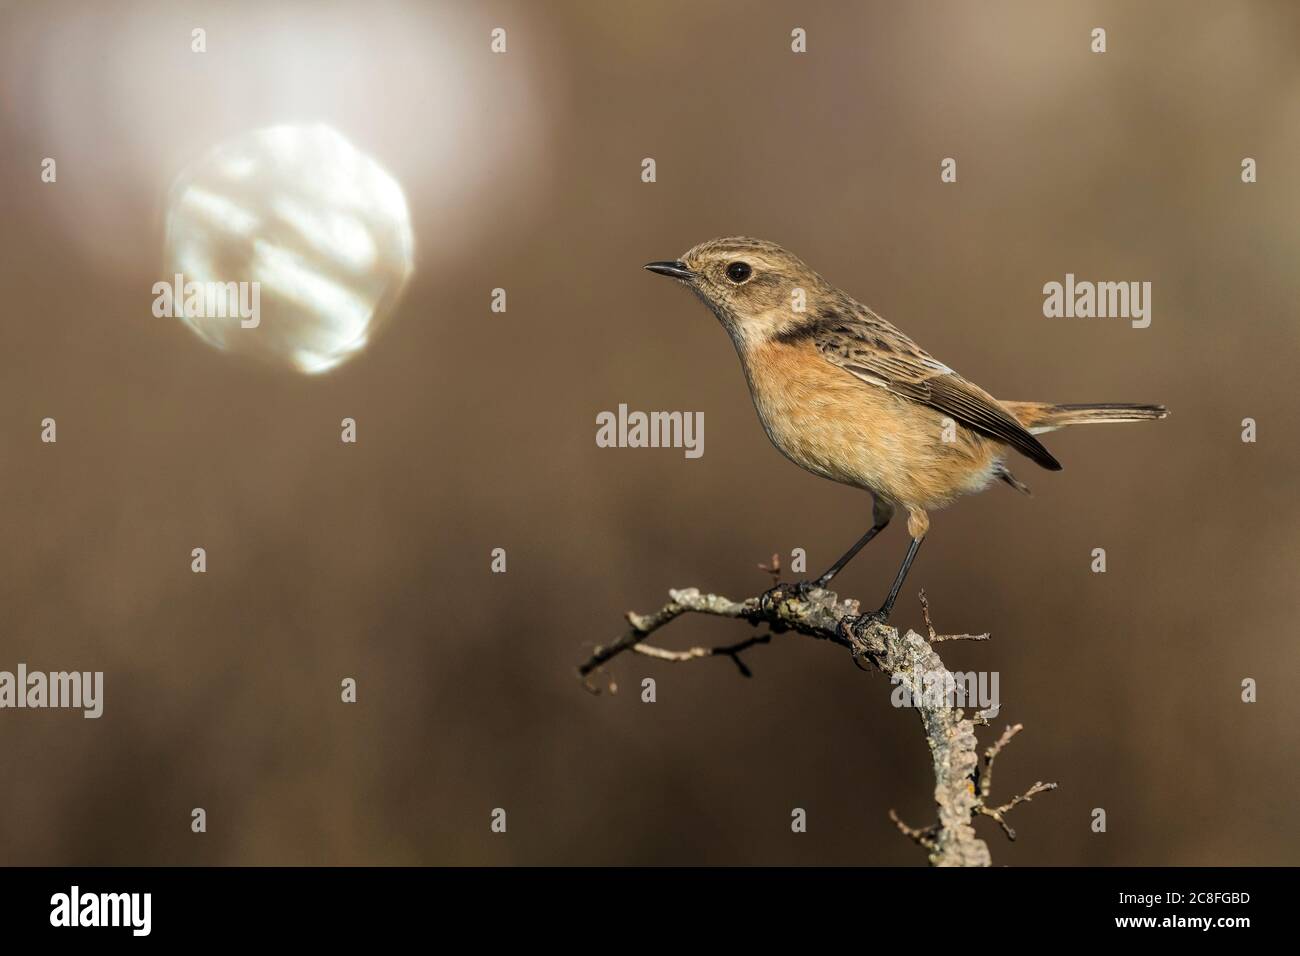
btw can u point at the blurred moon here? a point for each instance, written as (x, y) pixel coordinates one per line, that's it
(319, 226)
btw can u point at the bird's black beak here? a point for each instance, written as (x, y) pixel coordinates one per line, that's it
(676, 269)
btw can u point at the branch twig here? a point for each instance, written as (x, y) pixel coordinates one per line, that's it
(693, 653)
(938, 638)
(984, 783)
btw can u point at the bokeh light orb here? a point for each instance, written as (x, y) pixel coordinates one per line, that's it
(321, 229)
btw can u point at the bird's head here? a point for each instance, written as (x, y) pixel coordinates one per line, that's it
(755, 288)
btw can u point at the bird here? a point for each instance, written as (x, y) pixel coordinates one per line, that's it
(849, 397)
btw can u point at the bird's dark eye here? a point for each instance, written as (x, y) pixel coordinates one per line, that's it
(738, 272)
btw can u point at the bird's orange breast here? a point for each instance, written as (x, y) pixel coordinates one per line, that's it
(835, 425)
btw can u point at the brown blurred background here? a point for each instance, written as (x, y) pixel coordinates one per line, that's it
(476, 431)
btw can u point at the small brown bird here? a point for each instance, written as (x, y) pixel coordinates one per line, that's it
(847, 396)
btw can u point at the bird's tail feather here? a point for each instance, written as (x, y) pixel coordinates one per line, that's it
(1041, 417)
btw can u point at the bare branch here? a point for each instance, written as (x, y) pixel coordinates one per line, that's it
(984, 783)
(939, 638)
(997, 812)
(682, 602)
(694, 653)
(961, 785)
(922, 837)
(996, 748)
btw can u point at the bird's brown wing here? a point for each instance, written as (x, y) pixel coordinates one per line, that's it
(868, 347)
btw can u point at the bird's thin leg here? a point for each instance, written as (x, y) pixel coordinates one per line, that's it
(881, 512)
(888, 607)
(848, 555)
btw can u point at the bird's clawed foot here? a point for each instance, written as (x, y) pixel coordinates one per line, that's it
(853, 629)
(800, 590)
(875, 617)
